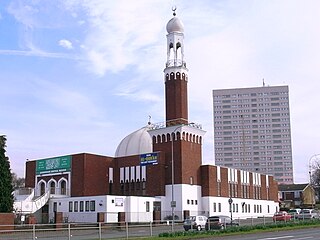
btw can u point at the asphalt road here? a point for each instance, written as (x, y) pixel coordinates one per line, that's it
(300, 234)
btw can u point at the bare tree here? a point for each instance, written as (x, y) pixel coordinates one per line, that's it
(17, 182)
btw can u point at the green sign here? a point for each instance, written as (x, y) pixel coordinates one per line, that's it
(53, 165)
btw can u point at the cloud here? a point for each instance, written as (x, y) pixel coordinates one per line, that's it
(39, 54)
(65, 43)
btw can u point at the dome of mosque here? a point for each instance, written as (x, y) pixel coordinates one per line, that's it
(175, 25)
(138, 142)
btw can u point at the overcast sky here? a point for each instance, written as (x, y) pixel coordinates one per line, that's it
(79, 75)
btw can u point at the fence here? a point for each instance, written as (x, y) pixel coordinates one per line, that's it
(122, 230)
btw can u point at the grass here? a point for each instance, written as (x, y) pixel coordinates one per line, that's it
(238, 230)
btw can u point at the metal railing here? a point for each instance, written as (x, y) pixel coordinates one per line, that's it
(123, 230)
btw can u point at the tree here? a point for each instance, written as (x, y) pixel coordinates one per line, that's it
(6, 189)
(17, 182)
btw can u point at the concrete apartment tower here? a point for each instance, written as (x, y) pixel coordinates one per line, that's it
(252, 130)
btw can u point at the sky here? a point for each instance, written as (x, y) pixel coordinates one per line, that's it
(80, 75)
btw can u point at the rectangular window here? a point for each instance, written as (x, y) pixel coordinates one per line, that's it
(75, 205)
(87, 206)
(81, 206)
(92, 206)
(147, 206)
(214, 207)
(219, 207)
(70, 206)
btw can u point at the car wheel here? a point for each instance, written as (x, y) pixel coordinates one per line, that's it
(199, 228)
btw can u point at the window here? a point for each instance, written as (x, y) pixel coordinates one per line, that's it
(147, 206)
(52, 188)
(92, 206)
(63, 188)
(70, 206)
(188, 201)
(219, 207)
(81, 206)
(214, 207)
(87, 206)
(75, 205)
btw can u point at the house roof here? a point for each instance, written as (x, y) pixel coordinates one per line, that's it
(292, 187)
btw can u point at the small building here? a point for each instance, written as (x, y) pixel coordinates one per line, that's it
(297, 195)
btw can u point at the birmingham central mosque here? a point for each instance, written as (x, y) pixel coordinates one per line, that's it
(156, 173)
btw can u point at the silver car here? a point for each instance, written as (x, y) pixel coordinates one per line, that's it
(195, 222)
(308, 214)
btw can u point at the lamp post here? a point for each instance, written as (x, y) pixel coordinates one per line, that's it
(230, 201)
(173, 202)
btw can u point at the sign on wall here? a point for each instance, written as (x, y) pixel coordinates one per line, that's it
(53, 165)
(149, 158)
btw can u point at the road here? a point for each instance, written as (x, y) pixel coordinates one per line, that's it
(299, 234)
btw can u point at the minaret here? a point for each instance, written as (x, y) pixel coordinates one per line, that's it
(177, 138)
(176, 75)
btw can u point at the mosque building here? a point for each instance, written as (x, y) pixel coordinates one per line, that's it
(156, 173)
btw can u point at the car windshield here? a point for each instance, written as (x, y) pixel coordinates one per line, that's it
(305, 211)
(191, 218)
(292, 211)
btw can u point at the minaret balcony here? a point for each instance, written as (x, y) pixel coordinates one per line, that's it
(175, 122)
(176, 63)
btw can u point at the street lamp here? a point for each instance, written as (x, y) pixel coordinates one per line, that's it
(230, 201)
(173, 202)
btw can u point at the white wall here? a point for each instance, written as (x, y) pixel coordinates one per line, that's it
(268, 208)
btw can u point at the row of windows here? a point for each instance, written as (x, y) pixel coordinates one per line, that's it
(218, 154)
(246, 147)
(249, 159)
(240, 95)
(253, 105)
(247, 100)
(248, 137)
(252, 110)
(81, 206)
(253, 121)
(245, 208)
(192, 202)
(243, 116)
(286, 125)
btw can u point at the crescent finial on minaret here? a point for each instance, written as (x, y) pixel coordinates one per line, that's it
(174, 8)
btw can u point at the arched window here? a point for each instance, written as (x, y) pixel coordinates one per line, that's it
(63, 189)
(52, 187)
(42, 188)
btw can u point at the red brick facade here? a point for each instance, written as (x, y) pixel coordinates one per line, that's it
(176, 97)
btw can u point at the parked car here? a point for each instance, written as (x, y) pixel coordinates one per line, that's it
(294, 212)
(195, 222)
(281, 216)
(219, 222)
(308, 214)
